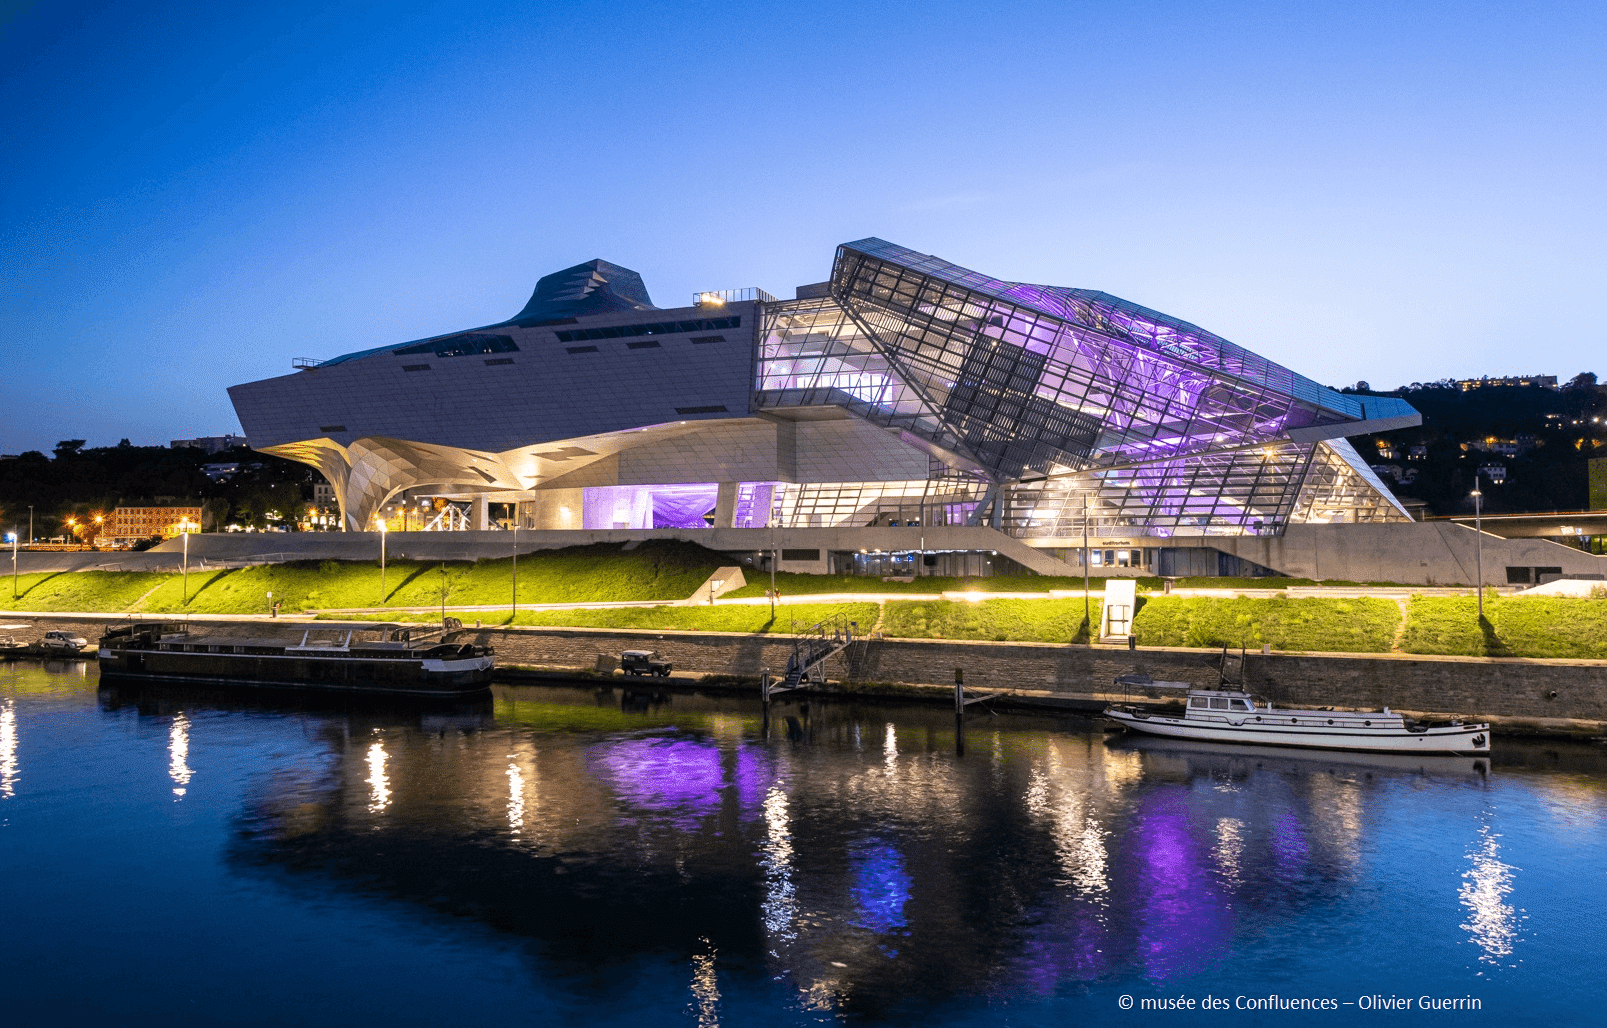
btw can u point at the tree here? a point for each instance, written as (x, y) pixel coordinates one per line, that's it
(68, 448)
(1581, 381)
(214, 513)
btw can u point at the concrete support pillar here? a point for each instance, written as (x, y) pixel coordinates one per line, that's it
(480, 514)
(725, 505)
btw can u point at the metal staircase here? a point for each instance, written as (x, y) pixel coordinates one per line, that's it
(811, 648)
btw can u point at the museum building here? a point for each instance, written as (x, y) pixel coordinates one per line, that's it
(904, 392)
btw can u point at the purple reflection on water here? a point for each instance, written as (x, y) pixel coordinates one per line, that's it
(679, 776)
(1183, 920)
(670, 775)
(881, 886)
(1289, 846)
(754, 775)
(1079, 948)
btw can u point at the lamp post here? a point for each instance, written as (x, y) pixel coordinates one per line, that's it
(382, 530)
(30, 524)
(775, 558)
(13, 565)
(184, 526)
(1087, 606)
(1478, 529)
(514, 613)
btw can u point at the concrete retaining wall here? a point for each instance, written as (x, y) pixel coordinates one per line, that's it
(1566, 695)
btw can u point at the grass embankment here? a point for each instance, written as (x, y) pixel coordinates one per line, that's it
(747, 618)
(1055, 621)
(1338, 626)
(791, 584)
(580, 574)
(1528, 626)
(98, 592)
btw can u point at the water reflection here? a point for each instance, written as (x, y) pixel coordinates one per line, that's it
(1492, 922)
(705, 988)
(780, 895)
(516, 799)
(859, 879)
(178, 755)
(8, 748)
(379, 784)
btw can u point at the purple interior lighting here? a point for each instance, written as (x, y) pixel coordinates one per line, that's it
(683, 506)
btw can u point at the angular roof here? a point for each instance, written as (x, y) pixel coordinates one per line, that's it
(595, 287)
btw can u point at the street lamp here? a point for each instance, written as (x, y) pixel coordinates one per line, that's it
(1478, 528)
(513, 615)
(184, 526)
(13, 537)
(382, 531)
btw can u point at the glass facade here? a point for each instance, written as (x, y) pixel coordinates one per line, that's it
(1050, 410)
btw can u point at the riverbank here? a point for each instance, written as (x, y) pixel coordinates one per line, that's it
(1518, 695)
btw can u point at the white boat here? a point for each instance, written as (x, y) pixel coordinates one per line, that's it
(1231, 715)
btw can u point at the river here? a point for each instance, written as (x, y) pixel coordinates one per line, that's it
(599, 856)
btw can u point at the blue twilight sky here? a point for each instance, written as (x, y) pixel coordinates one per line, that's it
(193, 194)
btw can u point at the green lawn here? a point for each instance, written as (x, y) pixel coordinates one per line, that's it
(1056, 621)
(791, 584)
(1527, 626)
(1343, 626)
(657, 570)
(733, 618)
(101, 592)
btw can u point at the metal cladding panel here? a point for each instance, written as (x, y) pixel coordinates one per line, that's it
(546, 388)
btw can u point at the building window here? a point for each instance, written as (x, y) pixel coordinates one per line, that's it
(720, 409)
(800, 554)
(708, 339)
(458, 346)
(500, 360)
(581, 349)
(656, 328)
(651, 344)
(331, 428)
(415, 367)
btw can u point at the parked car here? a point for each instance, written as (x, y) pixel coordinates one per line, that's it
(63, 642)
(644, 662)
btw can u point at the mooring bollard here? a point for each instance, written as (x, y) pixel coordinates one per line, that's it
(959, 712)
(1132, 642)
(764, 704)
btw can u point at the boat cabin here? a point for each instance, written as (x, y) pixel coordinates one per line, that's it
(1220, 700)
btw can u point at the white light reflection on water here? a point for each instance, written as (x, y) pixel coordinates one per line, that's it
(178, 755)
(890, 748)
(516, 798)
(1229, 850)
(706, 988)
(780, 894)
(379, 786)
(1492, 921)
(8, 749)
(1059, 796)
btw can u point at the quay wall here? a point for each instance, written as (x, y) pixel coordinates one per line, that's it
(1563, 695)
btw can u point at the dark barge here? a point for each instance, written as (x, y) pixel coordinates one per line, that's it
(419, 661)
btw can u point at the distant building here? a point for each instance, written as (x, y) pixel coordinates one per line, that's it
(1598, 484)
(132, 524)
(211, 443)
(1504, 447)
(1519, 381)
(221, 472)
(1496, 473)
